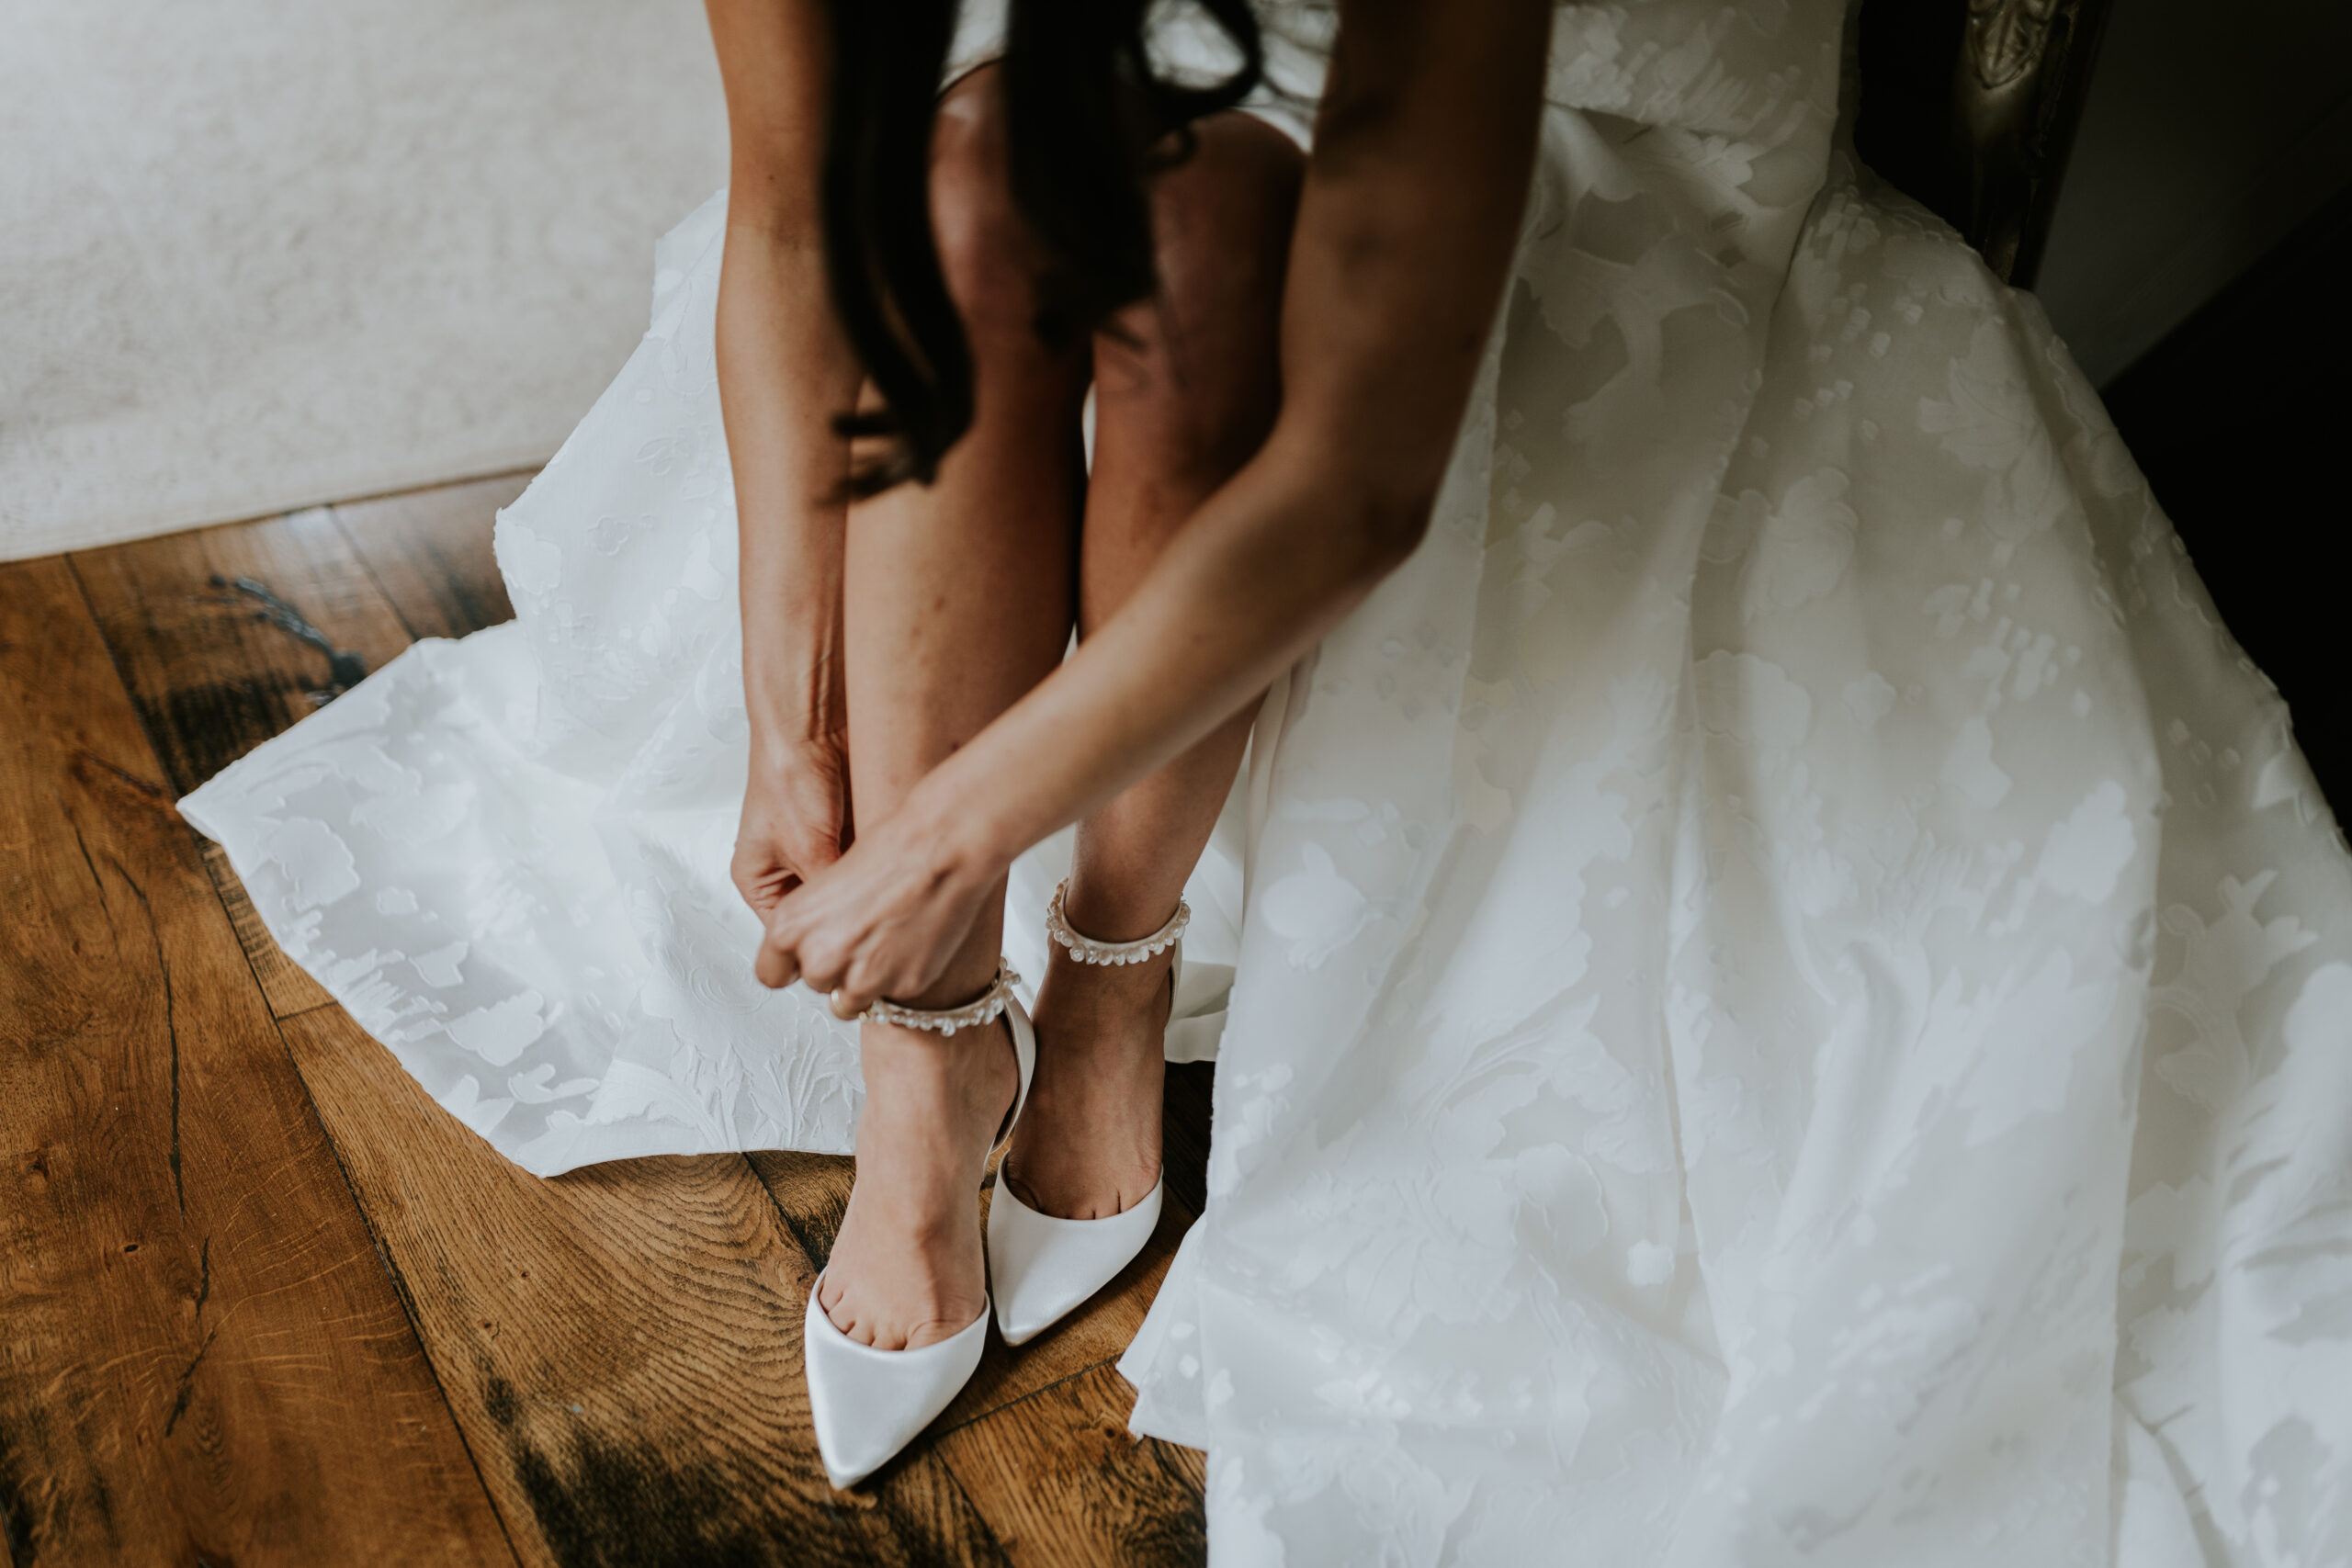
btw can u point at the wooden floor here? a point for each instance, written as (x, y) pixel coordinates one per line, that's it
(262, 1302)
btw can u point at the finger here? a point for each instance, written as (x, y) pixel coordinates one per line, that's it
(863, 984)
(763, 889)
(816, 973)
(845, 1006)
(775, 966)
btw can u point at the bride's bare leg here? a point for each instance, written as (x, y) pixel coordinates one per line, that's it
(1185, 392)
(958, 600)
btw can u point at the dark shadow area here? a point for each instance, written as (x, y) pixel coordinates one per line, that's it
(1907, 54)
(2238, 419)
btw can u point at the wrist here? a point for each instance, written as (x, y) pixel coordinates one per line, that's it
(792, 758)
(962, 854)
(796, 708)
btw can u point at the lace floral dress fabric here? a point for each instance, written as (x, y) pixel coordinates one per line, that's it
(1790, 994)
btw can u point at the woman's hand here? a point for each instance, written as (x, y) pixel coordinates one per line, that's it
(796, 820)
(883, 921)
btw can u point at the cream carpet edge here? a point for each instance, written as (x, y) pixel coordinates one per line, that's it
(29, 543)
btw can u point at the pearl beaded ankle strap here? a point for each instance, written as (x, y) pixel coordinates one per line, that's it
(1086, 950)
(985, 1008)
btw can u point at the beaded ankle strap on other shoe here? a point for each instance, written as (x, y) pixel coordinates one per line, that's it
(984, 1009)
(1086, 950)
(1042, 1267)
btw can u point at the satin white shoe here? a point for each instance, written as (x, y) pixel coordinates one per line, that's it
(1044, 1268)
(866, 1404)
(1041, 1268)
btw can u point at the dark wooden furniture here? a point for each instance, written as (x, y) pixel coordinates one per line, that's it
(1970, 105)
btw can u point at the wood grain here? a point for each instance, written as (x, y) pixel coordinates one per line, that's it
(214, 670)
(212, 673)
(621, 1345)
(429, 551)
(1064, 1484)
(203, 1358)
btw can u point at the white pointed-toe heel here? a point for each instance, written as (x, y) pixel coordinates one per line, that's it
(866, 1404)
(1041, 1268)
(1044, 1268)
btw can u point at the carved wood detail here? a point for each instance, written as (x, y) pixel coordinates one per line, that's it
(2024, 69)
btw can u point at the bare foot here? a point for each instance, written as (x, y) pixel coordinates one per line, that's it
(1088, 1146)
(907, 1268)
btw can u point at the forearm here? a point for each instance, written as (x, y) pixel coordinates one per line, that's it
(1271, 564)
(784, 372)
(786, 368)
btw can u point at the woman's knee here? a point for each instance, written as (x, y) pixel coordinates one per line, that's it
(1222, 219)
(1195, 364)
(989, 256)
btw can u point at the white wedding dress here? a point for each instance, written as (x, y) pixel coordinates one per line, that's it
(1790, 994)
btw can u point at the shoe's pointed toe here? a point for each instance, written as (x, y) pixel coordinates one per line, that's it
(867, 1404)
(1041, 1268)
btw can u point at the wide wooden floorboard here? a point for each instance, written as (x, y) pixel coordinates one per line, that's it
(621, 1345)
(429, 551)
(618, 1347)
(1064, 1486)
(225, 636)
(202, 1357)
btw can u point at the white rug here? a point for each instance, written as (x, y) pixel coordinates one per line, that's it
(260, 254)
